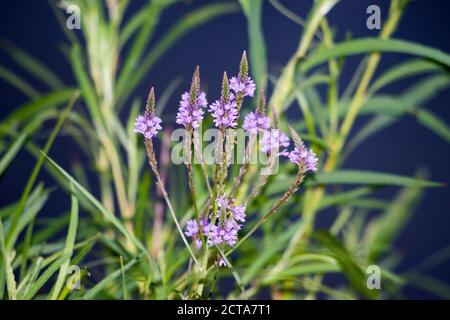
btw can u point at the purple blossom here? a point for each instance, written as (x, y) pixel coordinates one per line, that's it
(148, 125)
(227, 231)
(238, 213)
(191, 113)
(243, 85)
(255, 121)
(219, 234)
(302, 157)
(273, 141)
(192, 231)
(224, 112)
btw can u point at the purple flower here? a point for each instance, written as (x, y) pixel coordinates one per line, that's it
(224, 112)
(255, 121)
(273, 141)
(191, 113)
(304, 158)
(238, 213)
(148, 125)
(226, 233)
(192, 230)
(244, 85)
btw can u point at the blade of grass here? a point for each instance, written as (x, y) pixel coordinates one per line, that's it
(68, 248)
(48, 273)
(38, 105)
(12, 151)
(6, 268)
(110, 217)
(367, 45)
(124, 281)
(17, 82)
(369, 178)
(32, 65)
(94, 291)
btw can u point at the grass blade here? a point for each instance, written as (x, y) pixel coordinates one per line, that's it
(369, 178)
(68, 248)
(6, 268)
(32, 65)
(18, 82)
(9, 156)
(92, 293)
(367, 45)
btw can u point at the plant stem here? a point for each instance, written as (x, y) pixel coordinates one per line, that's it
(154, 165)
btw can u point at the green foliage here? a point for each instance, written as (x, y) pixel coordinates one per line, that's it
(124, 229)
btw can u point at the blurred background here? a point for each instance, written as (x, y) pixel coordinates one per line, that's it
(217, 46)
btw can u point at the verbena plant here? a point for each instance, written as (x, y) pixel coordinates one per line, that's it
(175, 231)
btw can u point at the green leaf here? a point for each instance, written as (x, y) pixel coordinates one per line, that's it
(369, 178)
(12, 151)
(133, 60)
(17, 82)
(284, 84)
(258, 60)
(347, 197)
(367, 45)
(388, 226)
(429, 284)
(434, 123)
(408, 101)
(350, 267)
(85, 84)
(110, 217)
(68, 248)
(401, 71)
(6, 266)
(48, 273)
(32, 65)
(38, 105)
(93, 292)
(267, 252)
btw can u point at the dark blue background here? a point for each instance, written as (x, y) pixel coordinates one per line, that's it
(401, 149)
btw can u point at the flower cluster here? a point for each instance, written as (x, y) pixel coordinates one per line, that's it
(193, 231)
(226, 230)
(307, 160)
(148, 124)
(275, 140)
(191, 112)
(222, 231)
(244, 85)
(220, 223)
(255, 121)
(224, 111)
